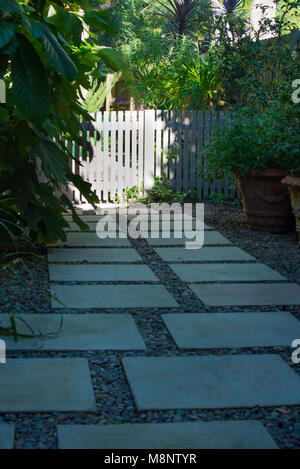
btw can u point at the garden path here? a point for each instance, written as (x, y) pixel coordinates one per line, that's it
(220, 310)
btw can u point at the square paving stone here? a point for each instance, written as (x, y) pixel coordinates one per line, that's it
(200, 435)
(210, 237)
(225, 272)
(93, 255)
(91, 239)
(211, 382)
(112, 296)
(203, 254)
(241, 294)
(7, 436)
(78, 332)
(46, 384)
(230, 330)
(101, 273)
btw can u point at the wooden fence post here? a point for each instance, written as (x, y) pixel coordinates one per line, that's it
(149, 149)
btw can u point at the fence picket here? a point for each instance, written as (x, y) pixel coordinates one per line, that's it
(105, 155)
(149, 170)
(179, 152)
(134, 149)
(185, 159)
(166, 133)
(99, 156)
(128, 155)
(158, 128)
(140, 156)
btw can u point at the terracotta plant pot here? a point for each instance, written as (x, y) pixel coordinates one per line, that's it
(293, 185)
(266, 201)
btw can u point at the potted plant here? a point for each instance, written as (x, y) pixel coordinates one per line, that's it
(292, 181)
(259, 149)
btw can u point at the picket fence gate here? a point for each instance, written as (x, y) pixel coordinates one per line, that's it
(123, 149)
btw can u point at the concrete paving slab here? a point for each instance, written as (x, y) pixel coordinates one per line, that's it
(242, 294)
(211, 382)
(112, 296)
(77, 332)
(91, 239)
(7, 436)
(200, 435)
(46, 385)
(210, 237)
(101, 273)
(232, 330)
(204, 254)
(225, 272)
(93, 255)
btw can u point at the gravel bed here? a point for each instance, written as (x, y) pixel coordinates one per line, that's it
(114, 398)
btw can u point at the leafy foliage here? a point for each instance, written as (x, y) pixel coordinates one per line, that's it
(228, 7)
(253, 141)
(46, 65)
(255, 69)
(182, 79)
(180, 14)
(163, 191)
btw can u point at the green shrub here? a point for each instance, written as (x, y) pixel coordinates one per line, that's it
(250, 141)
(163, 191)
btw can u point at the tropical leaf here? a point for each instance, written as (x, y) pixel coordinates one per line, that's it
(12, 6)
(30, 82)
(112, 58)
(7, 31)
(68, 24)
(179, 13)
(100, 20)
(59, 59)
(53, 160)
(10, 47)
(228, 7)
(84, 187)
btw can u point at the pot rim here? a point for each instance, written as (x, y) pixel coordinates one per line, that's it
(293, 181)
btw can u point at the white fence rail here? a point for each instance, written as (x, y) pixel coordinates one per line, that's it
(120, 150)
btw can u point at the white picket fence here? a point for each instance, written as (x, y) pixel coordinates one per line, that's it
(120, 150)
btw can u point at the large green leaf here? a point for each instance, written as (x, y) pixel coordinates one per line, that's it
(59, 59)
(112, 58)
(84, 188)
(12, 6)
(53, 160)
(84, 4)
(68, 24)
(100, 20)
(30, 82)
(7, 31)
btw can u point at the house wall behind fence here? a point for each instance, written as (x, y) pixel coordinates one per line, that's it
(122, 149)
